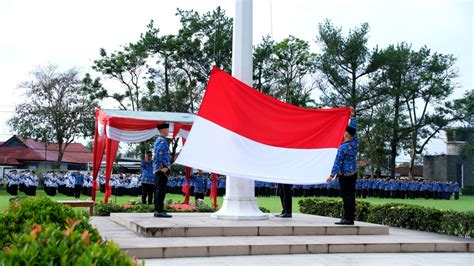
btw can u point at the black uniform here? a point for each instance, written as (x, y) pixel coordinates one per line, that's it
(286, 199)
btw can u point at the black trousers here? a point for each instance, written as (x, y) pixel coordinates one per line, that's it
(347, 184)
(77, 191)
(286, 197)
(147, 191)
(160, 193)
(199, 195)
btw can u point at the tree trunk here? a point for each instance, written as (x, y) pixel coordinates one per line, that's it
(413, 153)
(167, 88)
(57, 165)
(395, 139)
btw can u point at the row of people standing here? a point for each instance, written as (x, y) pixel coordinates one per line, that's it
(25, 181)
(402, 188)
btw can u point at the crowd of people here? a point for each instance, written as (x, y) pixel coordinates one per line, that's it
(76, 183)
(385, 188)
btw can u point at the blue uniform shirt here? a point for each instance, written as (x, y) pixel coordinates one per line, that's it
(346, 157)
(147, 173)
(200, 183)
(162, 153)
(78, 178)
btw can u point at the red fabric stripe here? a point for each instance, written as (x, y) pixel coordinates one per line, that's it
(259, 117)
(130, 124)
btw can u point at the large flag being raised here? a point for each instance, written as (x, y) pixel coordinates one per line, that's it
(244, 133)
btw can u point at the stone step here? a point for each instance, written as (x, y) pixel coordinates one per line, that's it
(202, 225)
(399, 240)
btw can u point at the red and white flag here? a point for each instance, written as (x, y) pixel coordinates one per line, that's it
(244, 133)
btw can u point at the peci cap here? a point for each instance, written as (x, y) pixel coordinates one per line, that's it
(351, 131)
(163, 126)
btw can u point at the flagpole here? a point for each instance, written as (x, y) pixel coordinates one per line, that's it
(239, 201)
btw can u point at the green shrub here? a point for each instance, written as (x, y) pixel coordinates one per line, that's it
(202, 206)
(50, 245)
(24, 212)
(102, 209)
(398, 215)
(332, 208)
(264, 210)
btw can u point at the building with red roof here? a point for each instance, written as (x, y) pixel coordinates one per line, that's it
(25, 153)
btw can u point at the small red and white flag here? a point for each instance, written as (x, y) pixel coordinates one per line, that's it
(244, 133)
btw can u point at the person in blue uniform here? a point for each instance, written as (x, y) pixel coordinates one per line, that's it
(455, 189)
(161, 164)
(148, 179)
(13, 181)
(78, 182)
(221, 186)
(345, 169)
(200, 185)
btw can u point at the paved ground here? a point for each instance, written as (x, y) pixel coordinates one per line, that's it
(365, 259)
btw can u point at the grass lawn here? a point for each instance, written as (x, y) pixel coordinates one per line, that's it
(465, 203)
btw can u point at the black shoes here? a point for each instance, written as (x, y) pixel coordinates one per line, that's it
(345, 222)
(283, 215)
(162, 215)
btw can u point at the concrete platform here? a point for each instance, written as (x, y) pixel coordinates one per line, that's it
(202, 225)
(361, 259)
(399, 240)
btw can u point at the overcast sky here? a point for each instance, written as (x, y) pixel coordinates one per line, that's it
(70, 33)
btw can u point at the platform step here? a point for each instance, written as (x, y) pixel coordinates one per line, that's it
(202, 225)
(399, 240)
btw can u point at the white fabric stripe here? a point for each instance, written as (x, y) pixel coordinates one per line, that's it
(133, 136)
(183, 133)
(215, 149)
(100, 128)
(130, 136)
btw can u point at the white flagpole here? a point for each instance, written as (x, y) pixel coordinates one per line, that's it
(240, 202)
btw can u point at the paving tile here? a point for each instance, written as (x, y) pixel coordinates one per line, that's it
(309, 230)
(342, 230)
(346, 248)
(203, 231)
(451, 247)
(275, 231)
(318, 248)
(269, 249)
(176, 252)
(145, 253)
(382, 248)
(372, 230)
(229, 250)
(417, 247)
(239, 231)
(298, 249)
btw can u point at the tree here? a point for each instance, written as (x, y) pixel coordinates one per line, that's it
(463, 110)
(346, 69)
(431, 80)
(124, 67)
(263, 73)
(57, 110)
(395, 79)
(292, 63)
(345, 65)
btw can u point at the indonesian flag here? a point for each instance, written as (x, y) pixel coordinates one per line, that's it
(244, 133)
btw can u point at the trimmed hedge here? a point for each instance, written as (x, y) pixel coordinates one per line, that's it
(398, 215)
